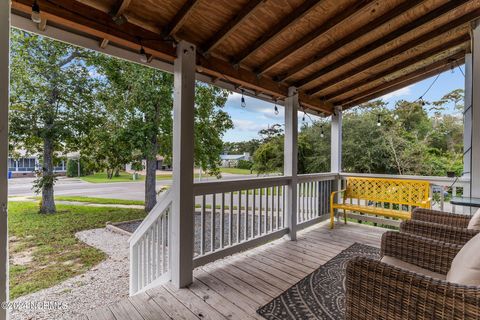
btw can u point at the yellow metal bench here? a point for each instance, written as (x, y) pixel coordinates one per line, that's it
(376, 192)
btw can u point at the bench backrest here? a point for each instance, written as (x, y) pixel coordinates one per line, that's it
(398, 191)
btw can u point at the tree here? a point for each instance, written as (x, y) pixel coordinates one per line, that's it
(52, 103)
(139, 103)
(269, 156)
(211, 123)
(412, 138)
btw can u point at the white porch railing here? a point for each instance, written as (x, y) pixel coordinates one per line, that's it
(313, 197)
(149, 249)
(234, 215)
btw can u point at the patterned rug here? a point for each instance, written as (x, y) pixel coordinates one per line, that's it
(320, 295)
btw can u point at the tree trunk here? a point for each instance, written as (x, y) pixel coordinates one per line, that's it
(48, 202)
(150, 183)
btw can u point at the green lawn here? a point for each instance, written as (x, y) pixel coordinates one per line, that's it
(235, 171)
(49, 241)
(101, 177)
(97, 200)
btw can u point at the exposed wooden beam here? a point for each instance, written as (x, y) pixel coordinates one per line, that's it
(318, 32)
(219, 68)
(381, 20)
(104, 43)
(397, 33)
(182, 15)
(232, 25)
(281, 26)
(119, 8)
(396, 51)
(455, 44)
(403, 81)
(75, 15)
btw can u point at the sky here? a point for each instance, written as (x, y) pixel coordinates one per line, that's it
(260, 114)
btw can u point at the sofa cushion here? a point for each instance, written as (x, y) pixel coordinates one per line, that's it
(411, 267)
(465, 267)
(474, 223)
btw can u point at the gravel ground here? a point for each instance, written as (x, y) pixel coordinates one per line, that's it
(132, 226)
(104, 284)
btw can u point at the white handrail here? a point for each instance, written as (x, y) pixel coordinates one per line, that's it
(432, 179)
(149, 248)
(164, 201)
(210, 187)
(317, 176)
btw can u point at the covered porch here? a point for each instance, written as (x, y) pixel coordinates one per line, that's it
(236, 286)
(222, 249)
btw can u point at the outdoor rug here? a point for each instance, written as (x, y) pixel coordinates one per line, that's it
(321, 294)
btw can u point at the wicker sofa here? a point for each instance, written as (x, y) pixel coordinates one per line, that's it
(377, 290)
(439, 225)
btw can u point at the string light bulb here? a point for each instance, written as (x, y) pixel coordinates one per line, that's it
(379, 122)
(322, 134)
(143, 55)
(36, 12)
(275, 109)
(243, 103)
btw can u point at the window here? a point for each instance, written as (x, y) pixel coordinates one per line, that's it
(26, 164)
(11, 164)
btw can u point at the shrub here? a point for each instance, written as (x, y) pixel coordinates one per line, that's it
(72, 168)
(244, 164)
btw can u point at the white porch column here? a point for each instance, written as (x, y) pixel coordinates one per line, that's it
(4, 102)
(183, 139)
(475, 114)
(336, 141)
(336, 148)
(467, 128)
(290, 159)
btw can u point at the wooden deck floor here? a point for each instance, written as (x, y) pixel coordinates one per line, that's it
(235, 287)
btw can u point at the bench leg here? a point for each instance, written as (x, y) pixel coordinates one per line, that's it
(345, 216)
(332, 217)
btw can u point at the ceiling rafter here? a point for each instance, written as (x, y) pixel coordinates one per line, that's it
(118, 10)
(85, 19)
(397, 33)
(455, 43)
(182, 15)
(231, 25)
(318, 32)
(395, 12)
(281, 26)
(396, 51)
(403, 81)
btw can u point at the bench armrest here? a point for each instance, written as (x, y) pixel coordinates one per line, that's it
(375, 289)
(438, 231)
(433, 255)
(334, 193)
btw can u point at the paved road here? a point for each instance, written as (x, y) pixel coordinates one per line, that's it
(77, 187)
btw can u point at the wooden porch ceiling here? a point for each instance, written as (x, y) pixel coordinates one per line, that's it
(337, 52)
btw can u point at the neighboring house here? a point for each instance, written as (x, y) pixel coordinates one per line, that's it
(231, 160)
(25, 165)
(161, 165)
